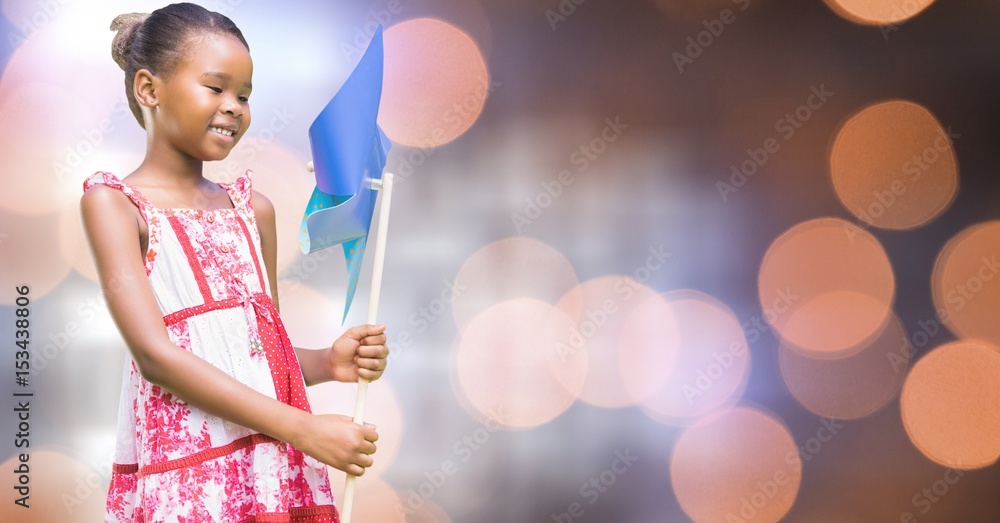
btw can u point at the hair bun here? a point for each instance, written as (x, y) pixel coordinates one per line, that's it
(126, 25)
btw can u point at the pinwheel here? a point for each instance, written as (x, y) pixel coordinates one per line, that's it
(349, 153)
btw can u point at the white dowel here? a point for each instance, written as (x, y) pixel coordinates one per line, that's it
(385, 187)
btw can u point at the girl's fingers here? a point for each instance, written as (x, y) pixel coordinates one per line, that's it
(371, 364)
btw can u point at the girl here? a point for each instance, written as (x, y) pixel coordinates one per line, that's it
(214, 424)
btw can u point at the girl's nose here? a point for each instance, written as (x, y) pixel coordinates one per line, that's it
(233, 108)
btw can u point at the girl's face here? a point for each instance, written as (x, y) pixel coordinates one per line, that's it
(203, 108)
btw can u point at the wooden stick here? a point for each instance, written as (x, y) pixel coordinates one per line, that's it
(385, 186)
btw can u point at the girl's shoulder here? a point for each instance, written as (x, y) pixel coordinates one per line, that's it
(108, 179)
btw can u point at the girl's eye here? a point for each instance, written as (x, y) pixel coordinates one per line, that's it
(244, 99)
(216, 89)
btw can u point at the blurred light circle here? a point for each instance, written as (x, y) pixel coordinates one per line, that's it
(511, 366)
(854, 386)
(435, 84)
(965, 283)
(516, 267)
(41, 159)
(737, 465)
(949, 404)
(878, 12)
(826, 286)
(712, 365)
(306, 312)
(648, 347)
(61, 489)
(893, 165)
(602, 307)
(30, 255)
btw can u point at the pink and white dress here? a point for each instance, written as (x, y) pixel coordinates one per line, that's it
(175, 463)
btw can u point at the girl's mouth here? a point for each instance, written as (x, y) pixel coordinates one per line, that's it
(224, 132)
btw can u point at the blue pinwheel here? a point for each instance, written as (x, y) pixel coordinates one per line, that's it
(349, 153)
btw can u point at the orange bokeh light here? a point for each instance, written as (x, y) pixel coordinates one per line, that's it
(854, 386)
(436, 83)
(712, 363)
(602, 307)
(878, 12)
(893, 165)
(738, 465)
(513, 366)
(30, 255)
(517, 267)
(949, 404)
(965, 285)
(61, 489)
(827, 285)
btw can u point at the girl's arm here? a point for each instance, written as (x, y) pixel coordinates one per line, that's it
(112, 223)
(360, 351)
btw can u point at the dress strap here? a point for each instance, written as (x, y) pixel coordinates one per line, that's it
(112, 181)
(241, 192)
(140, 201)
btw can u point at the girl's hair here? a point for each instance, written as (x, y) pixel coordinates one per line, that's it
(158, 41)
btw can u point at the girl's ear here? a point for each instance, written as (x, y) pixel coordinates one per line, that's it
(144, 88)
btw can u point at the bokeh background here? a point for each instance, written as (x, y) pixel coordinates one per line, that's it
(649, 260)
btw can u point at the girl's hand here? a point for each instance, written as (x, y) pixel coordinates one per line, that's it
(339, 442)
(360, 351)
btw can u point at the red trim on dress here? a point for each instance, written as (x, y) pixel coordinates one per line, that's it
(207, 454)
(199, 274)
(131, 468)
(253, 252)
(314, 514)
